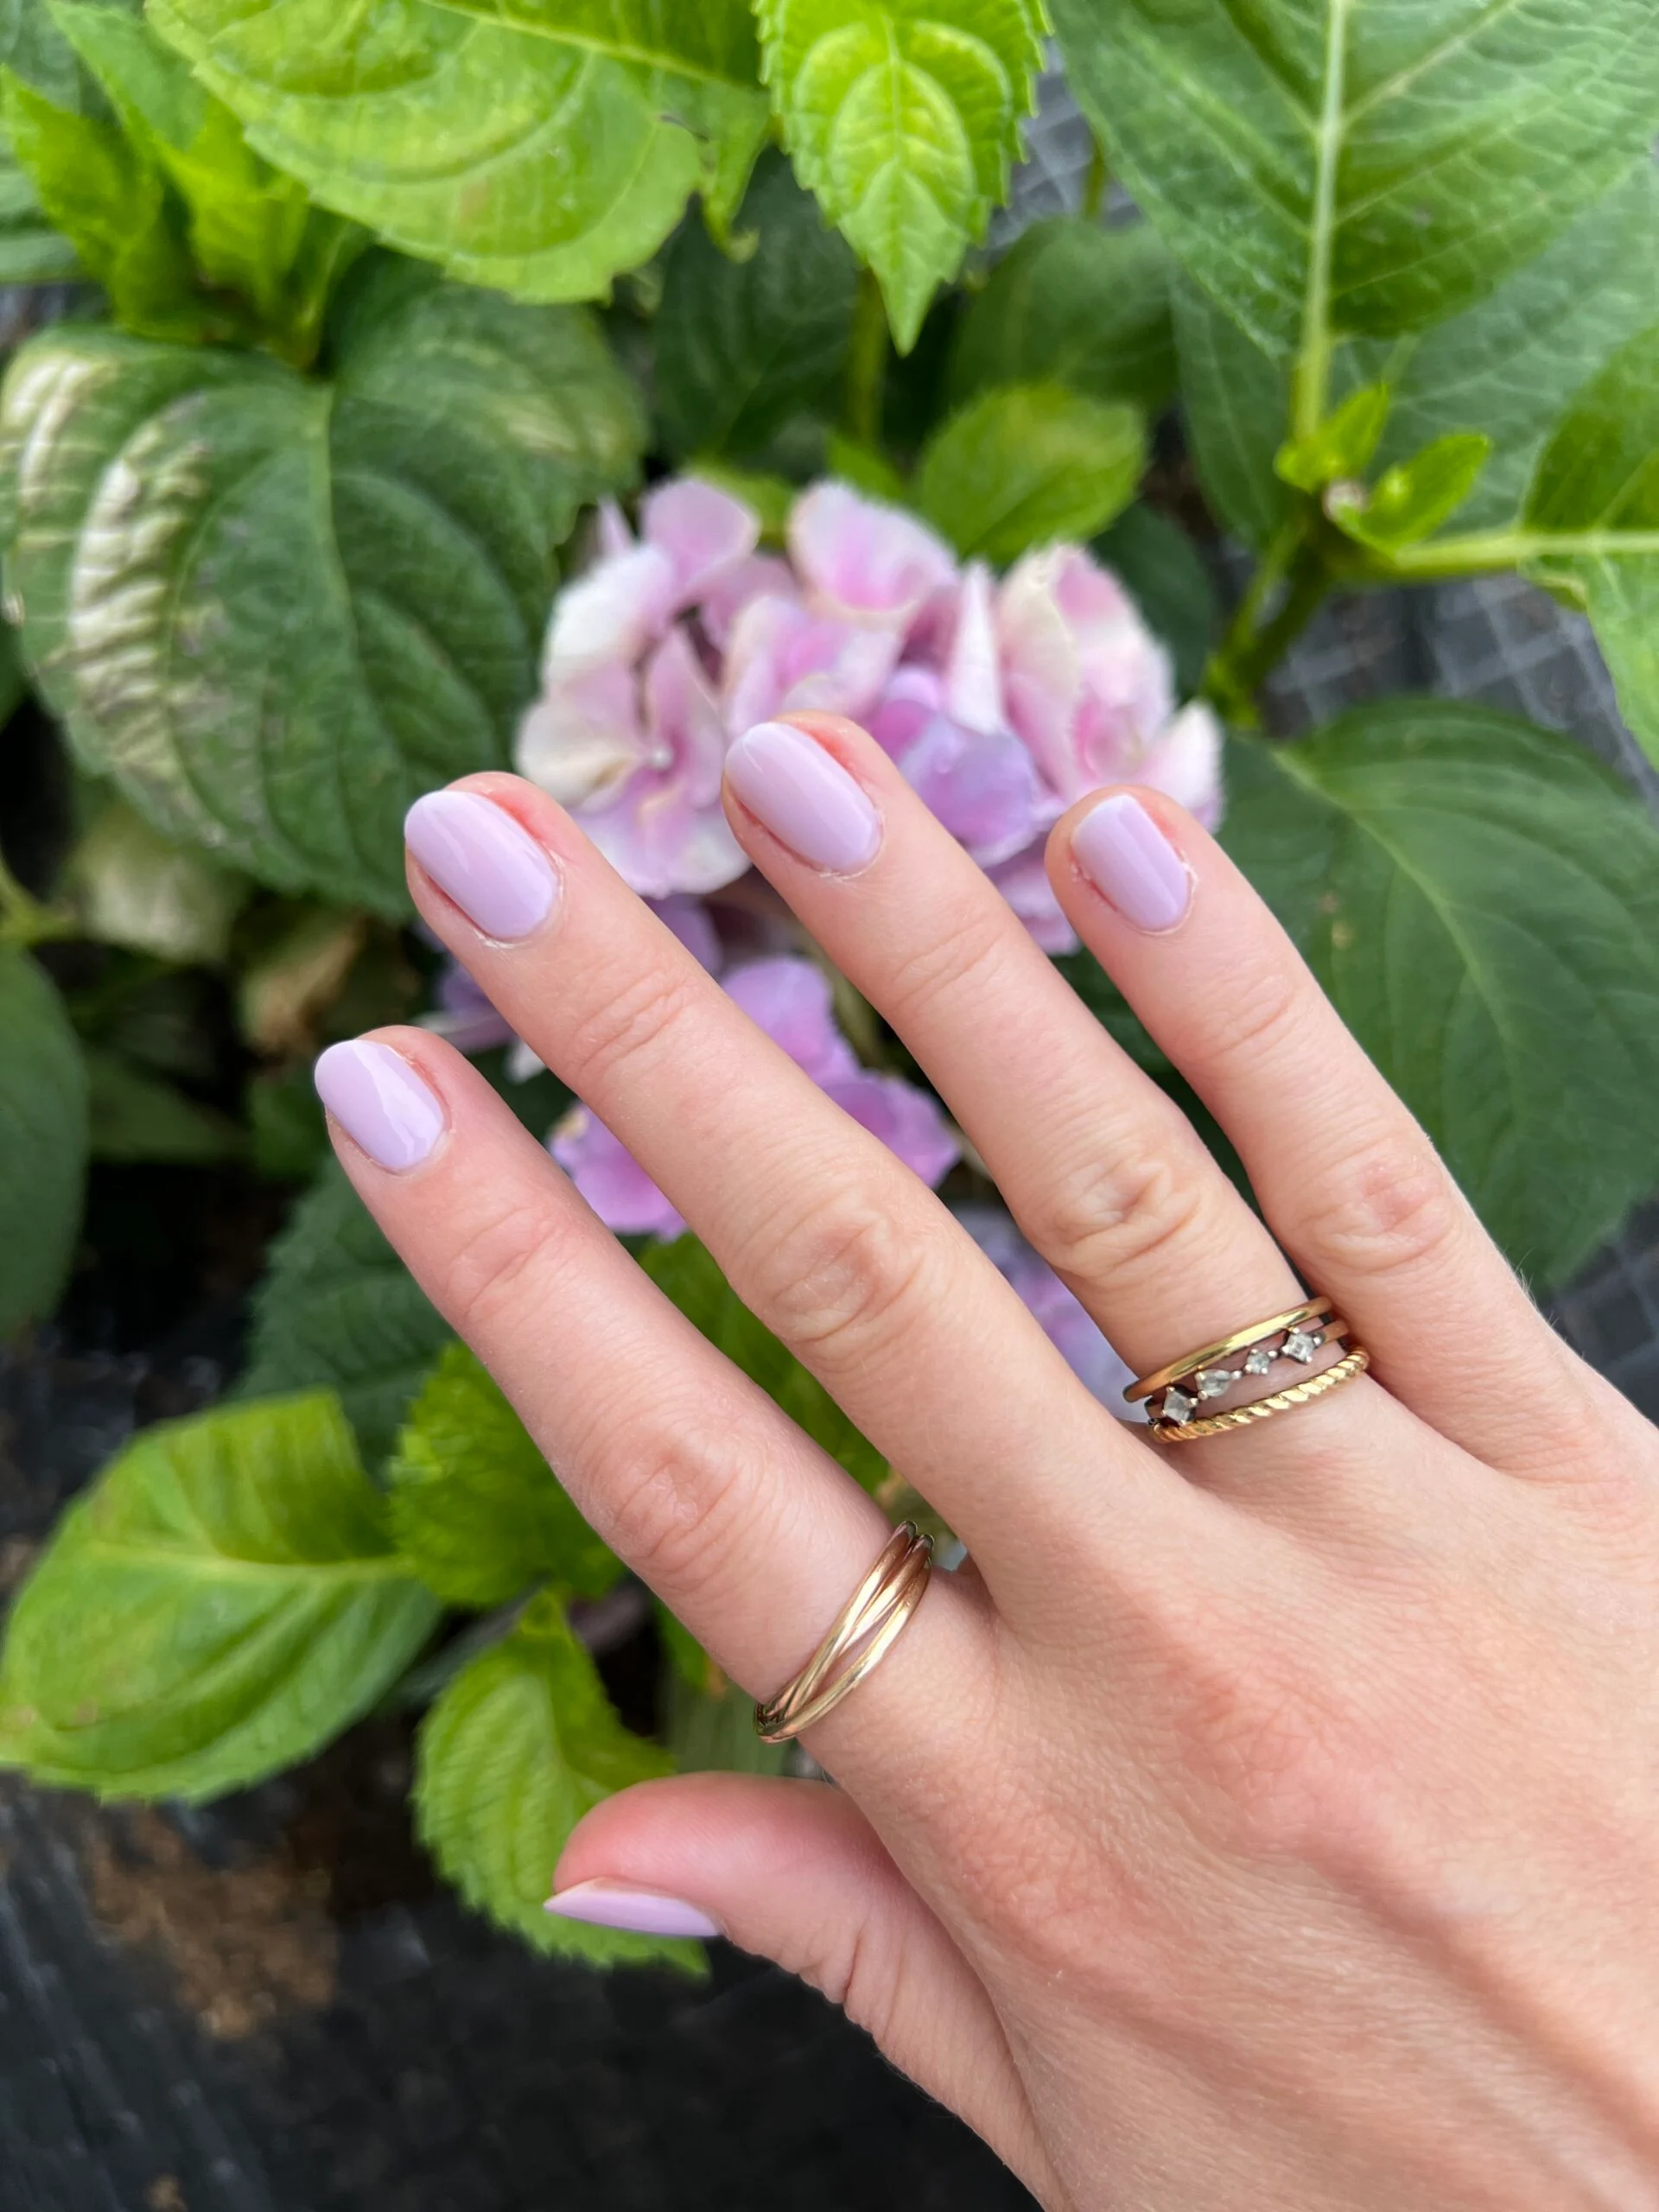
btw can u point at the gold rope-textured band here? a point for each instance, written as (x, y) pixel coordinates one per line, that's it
(1298, 1394)
(862, 1633)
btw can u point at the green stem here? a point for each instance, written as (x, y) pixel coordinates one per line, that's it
(23, 919)
(1480, 551)
(1313, 376)
(866, 364)
(1253, 648)
(1095, 184)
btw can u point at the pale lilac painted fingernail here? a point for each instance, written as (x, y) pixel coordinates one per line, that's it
(496, 873)
(1129, 861)
(805, 797)
(380, 1102)
(616, 1905)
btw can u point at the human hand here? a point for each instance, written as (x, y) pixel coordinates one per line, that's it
(1265, 1821)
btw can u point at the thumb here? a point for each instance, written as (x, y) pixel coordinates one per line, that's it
(793, 1870)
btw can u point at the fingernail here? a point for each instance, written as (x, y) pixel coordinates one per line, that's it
(805, 797)
(499, 876)
(1129, 861)
(615, 1904)
(380, 1102)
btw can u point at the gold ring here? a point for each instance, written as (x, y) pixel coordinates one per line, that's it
(864, 1632)
(1296, 1336)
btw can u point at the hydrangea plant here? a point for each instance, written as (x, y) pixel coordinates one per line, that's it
(570, 386)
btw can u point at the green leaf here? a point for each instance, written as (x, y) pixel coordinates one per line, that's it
(536, 147)
(1167, 579)
(740, 346)
(277, 609)
(712, 1731)
(134, 1115)
(43, 1140)
(685, 1272)
(1236, 400)
(136, 888)
(1335, 168)
(476, 1511)
(1025, 464)
(1075, 304)
(1342, 445)
(1592, 523)
(1412, 499)
(31, 251)
(33, 48)
(1481, 900)
(903, 117)
(865, 470)
(514, 1751)
(221, 1604)
(338, 1307)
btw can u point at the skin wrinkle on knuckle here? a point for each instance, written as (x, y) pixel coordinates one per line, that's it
(961, 964)
(838, 1279)
(484, 1275)
(1266, 1012)
(1389, 1209)
(673, 1495)
(633, 1017)
(1115, 1216)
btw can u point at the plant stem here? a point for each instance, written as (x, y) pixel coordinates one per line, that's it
(1480, 551)
(1095, 184)
(1252, 647)
(23, 919)
(1311, 378)
(866, 364)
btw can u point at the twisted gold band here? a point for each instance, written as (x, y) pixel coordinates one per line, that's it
(864, 1632)
(1299, 1394)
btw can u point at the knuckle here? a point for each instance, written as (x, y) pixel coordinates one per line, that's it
(1112, 1216)
(1394, 1207)
(489, 1273)
(856, 1967)
(839, 1280)
(632, 1015)
(674, 1495)
(960, 962)
(1265, 1012)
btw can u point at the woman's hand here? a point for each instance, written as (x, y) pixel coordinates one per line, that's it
(1268, 1822)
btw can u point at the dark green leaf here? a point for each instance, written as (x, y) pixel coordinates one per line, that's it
(1346, 168)
(906, 123)
(221, 1603)
(1023, 465)
(1235, 399)
(1169, 584)
(476, 1511)
(712, 1731)
(43, 1140)
(687, 1274)
(1076, 304)
(1592, 524)
(515, 1751)
(1481, 899)
(338, 1307)
(134, 1115)
(535, 148)
(1412, 499)
(740, 346)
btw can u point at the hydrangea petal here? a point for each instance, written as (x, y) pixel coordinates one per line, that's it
(790, 1000)
(907, 1120)
(1064, 1320)
(691, 922)
(703, 531)
(986, 791)
(1184, 762)
(783, 659)
(611, 612)
(760, 575)
(610, 1179)
(973, 678)
(862, 561)
(1024, 883)
(583, 736)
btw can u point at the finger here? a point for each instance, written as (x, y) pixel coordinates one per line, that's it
(834, 1245)
(1105, 1175)
(792, 1870)
(745, 1528)
(1348, 1180)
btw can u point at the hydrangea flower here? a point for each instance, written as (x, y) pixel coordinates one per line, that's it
(789, 999)
(1063, 1319)
(999, 702)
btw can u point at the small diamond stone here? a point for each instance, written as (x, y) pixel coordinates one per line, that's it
(1258, 1359)
(1302, 1343)
(1178, 1407)
(1214, 1381)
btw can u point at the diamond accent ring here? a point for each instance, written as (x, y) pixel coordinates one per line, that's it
(1178, 1397)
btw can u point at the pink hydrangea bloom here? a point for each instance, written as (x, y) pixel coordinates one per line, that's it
(790, 999)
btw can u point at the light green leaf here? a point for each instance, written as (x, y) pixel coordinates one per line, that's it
(1341, 446)
(477, 1511)
(43, 1140)
(134, 1115)
(338, 1307)
(536, 146)
(31, 251)
(685, 1272)
(513, 1752)
(1481, 900)
(903, 117)
(1023, 465)
(275, 609)
(1410, 500)
(1332, 168)
(221, 1604)
(1592, 523)
(136, 888)
(740, 346)
(1077, 305)
(1169, 582)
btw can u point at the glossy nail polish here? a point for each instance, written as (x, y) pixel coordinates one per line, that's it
(1130, 862)
(380, 1103)
(473, 850)
(616, 1905)
(805, 797)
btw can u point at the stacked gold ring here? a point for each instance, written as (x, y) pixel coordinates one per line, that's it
(1298, 1335)
(862, 1633)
